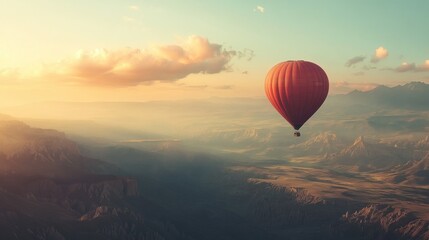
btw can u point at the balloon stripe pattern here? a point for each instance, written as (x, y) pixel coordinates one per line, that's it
(296, 89)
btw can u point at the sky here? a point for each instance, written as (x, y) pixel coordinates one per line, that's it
(166, 50)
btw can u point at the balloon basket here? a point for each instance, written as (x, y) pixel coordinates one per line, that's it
(297, 134)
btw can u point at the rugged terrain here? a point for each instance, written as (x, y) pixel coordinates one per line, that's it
(222, 169)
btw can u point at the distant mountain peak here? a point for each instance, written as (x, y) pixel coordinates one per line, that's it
(358, 148)
(381, 87)
(325, 137)
(35, 151)
(412, 95)
(415, 85)
(355, 92)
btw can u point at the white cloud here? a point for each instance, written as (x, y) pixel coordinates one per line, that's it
(259, 9)
(379, 54)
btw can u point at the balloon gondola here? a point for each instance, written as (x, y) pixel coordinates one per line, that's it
(296, 89)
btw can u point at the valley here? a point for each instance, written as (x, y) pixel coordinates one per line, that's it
(216, 172)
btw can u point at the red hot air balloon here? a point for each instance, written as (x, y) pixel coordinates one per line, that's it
(296, 89)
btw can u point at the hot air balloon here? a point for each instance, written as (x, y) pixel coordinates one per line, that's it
(296, 89)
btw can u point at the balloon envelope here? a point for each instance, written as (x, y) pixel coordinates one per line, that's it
(296, 89)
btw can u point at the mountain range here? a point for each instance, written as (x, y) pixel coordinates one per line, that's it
(32, 151)
(413, 95)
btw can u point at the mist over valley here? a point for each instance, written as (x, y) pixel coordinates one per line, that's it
(220, 168)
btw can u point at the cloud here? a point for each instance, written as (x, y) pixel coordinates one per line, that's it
(379, 54)
(246, 53)
(259, 9)
(346, 87)
(405, 67)
(354, 60)
(132, 66)
(424, 67)
(412, 67)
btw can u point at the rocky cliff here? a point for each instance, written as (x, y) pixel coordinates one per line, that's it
(386, 222)
(31, 151)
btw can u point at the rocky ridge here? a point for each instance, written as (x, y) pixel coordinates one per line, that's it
(386, 222)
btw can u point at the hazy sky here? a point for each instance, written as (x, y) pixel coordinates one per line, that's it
(157, 49)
